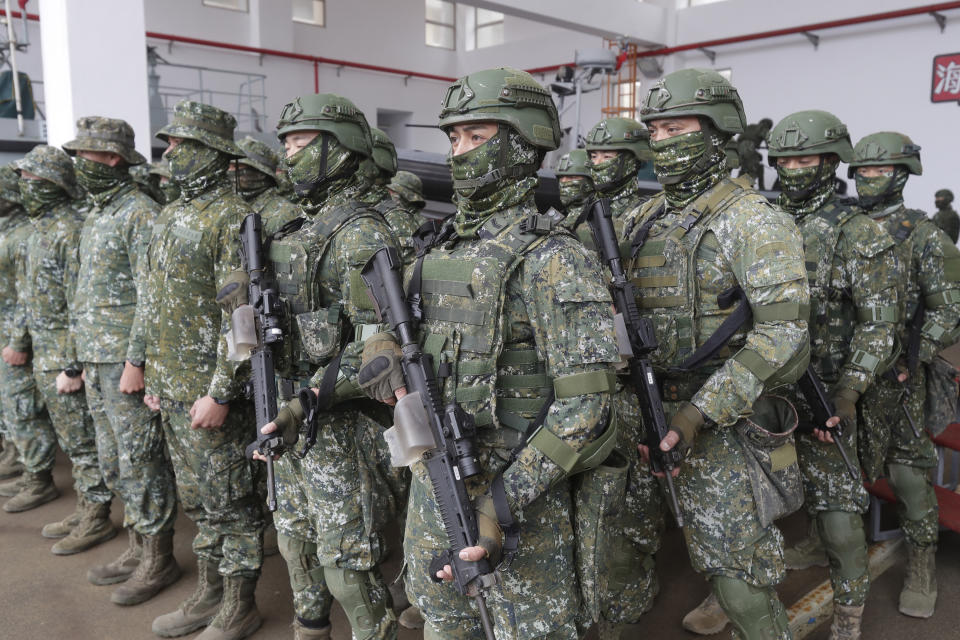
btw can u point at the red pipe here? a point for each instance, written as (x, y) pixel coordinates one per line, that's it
(17, 14)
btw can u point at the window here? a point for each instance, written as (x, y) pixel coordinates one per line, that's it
(488, 28)
(441, 30)
(628, 97)
(309, 12)
(235, 5)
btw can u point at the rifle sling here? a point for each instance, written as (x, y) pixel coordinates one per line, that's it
(718, 340)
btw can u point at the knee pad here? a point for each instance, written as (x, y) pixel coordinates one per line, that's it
(302, 563)
(355, 591)
(844, 541)
(913, 489)
(756, 613)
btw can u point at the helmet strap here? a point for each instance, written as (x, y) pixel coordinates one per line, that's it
(502, 171)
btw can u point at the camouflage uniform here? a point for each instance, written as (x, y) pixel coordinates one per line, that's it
(114, 235)
(261, 190)
(617, 178)
(946, 217)
(704, 235)
(334, 502)
(193, 249)
(576, 186)
(46, 282)
(382, 167)
(168, 189)
(147, 181)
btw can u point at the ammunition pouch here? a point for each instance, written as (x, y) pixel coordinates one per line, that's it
(319, 332)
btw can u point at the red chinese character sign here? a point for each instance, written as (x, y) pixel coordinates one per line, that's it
(946, 78)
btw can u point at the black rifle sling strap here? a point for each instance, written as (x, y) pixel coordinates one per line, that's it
(719, 338)
(324, 398)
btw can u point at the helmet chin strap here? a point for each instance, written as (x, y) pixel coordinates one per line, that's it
(704, 162)
(620, 178)
(871, 202)
(501, 172)
(803, 194)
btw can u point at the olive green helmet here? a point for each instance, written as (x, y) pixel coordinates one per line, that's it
(506, 96)
(9, 184)
(620, 134)
(886, 147)
(384, 152)
(575, 163)
(944, 194)
(696, 92)
(409, 186)
(331, 113)
(807, 133)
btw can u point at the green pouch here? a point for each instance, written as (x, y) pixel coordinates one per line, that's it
(768, 444)
(941, 405)
(320, 332)
(598, 498)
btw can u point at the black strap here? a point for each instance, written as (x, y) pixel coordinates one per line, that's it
(414, 289)
(508, 524)
(719, 338)
(640, 237)
(916, 336)
(313, 405)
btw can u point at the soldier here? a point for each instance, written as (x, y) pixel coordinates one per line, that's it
(497, 258)
(147, 181)
(333, 502)
(930, 311)
(576, 186)
(705, 235)
(402, 220)
(946, 217)
(46, 282)
(256, 176)
(20, 402)
(206, 423)
(618, 149)
(130, 443)
(407, 189)
(168, 188)
(749, 160)
(853, 276)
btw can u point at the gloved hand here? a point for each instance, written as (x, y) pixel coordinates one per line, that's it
(687, 423)
(380, 371)
(233, 293)
(289, 420)
(845, 405)
(488, 525)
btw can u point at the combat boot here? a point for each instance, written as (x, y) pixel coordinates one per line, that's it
(94, 528)
(120, 568)
(36, 489)
(158, 569)
(199, 609)
(411, 618)
(399, 596)
(238, 616)
(9, 465)
(62, 528)
(708, 618)
(919, 595)
(12, 488)
(846, 622)
(808, 552)
(301, 632)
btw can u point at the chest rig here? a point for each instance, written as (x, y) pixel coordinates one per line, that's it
(463, 290)
(678, 273)
(313, 322)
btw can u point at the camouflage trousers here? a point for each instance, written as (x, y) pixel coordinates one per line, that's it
(25, 419)
(215, 486)
(629, 564)
(335, 501)
(130, 447)
(883, 420)
(537, 596)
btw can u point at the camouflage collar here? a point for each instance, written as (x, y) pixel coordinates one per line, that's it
(101, 200)
(211, 195)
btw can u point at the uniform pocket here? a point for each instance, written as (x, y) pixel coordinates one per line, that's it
(229, 478)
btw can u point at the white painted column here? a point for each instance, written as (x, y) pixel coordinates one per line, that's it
(94, 64)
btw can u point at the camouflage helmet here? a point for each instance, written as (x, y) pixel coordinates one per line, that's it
(696, 92)
(259, 156)
(105, 134)
(505, 96)
(808, 133)
(620, 134)
(384, 152)
(574, 163)
(331, 113)
(204, 123)
(51, 164)
(160, 168)
(9, 187)
(944, 194)
(408, 185)
(886, 148)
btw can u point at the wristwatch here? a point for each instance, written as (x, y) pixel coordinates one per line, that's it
(137, 363)
(219, 401)
(72, 371)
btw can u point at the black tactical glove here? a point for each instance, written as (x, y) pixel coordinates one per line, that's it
(380, 371)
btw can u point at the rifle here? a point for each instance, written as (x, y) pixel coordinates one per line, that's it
(813, 390)
(643, 342)
(892, 376)
(266, 306)
(450, 458)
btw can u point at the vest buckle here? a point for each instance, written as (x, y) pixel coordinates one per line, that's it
(536, 224)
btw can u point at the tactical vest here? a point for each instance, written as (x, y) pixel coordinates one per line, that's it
(314, 325)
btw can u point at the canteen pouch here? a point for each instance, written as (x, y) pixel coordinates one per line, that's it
(410, 435)
(767, 440)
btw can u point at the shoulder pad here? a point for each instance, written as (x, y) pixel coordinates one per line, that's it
(867, 237)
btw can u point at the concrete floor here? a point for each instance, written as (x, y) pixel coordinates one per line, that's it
(45, 596)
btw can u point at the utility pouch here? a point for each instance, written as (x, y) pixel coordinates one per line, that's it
(319, 332)
(771, 455)
(410, 435)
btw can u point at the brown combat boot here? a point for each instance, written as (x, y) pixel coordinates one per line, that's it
(62, 528)
(199, 609)
(918, 598)
(238, 617)
(846, 622)
(12, 488)
(36, 489)
(808, 552)
(301, 632)
(10, 465)
(411, 618)
(708, 618)
(158, 569)
(94, 528)
(120, 568)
